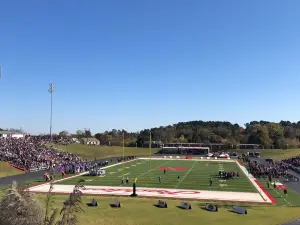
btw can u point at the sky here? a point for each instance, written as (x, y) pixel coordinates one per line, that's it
(139, 64)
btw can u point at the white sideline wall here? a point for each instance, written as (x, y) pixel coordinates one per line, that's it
(219, 160)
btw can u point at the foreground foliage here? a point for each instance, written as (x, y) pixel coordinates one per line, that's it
(21, 207)
(141, 211)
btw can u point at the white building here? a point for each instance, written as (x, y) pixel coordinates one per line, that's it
(6, 134)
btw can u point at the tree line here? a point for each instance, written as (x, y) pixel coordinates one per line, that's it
(284, 134)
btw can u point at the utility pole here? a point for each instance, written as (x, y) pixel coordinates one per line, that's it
(51, 90)
(86, 134)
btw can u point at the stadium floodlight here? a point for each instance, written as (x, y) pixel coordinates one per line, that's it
(51, 90)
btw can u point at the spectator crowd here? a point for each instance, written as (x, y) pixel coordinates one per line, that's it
(295, 161)
(31, 153)
(271, 169)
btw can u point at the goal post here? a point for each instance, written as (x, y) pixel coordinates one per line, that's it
(150, 153)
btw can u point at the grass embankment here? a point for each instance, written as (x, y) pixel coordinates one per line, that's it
(7, 170)
(276, 154)
(101, 152)
(141, 211)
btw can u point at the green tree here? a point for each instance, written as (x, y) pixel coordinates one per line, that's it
(181, 139)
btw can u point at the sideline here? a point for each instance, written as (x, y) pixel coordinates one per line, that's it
(253, 180)
(280, 195)
(80, 174)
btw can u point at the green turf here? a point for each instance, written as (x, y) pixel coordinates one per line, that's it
(195, 177)
(7, 170)
(101, 152)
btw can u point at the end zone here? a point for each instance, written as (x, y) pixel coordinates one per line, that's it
(155, 192)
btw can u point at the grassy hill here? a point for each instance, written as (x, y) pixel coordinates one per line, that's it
(100, 152)
(7, 170)
(141, 211)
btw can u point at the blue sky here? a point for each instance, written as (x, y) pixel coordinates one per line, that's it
(138, 64)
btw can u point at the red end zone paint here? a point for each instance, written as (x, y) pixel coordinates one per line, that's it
(173, 168)
(266, 192)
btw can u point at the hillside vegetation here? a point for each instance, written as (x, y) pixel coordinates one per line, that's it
(268, 134)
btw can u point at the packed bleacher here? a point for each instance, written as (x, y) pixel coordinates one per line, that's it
(32, 154)
(293, 163)
(272, 169)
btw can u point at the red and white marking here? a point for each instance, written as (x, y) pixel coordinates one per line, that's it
(280, 186)
(155, 192)
(261, 197)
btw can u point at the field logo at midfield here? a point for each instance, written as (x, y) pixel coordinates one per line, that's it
(173, 168)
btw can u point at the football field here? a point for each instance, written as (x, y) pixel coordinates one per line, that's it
(169, 178)
(180, 174)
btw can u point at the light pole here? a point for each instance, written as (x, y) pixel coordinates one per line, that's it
(51, 90)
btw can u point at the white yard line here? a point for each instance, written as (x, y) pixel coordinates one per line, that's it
(280, 195)
(247, 174)
(152, 169)
(80, 174)
(186, 174)
(124, 174)
(263, 195)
